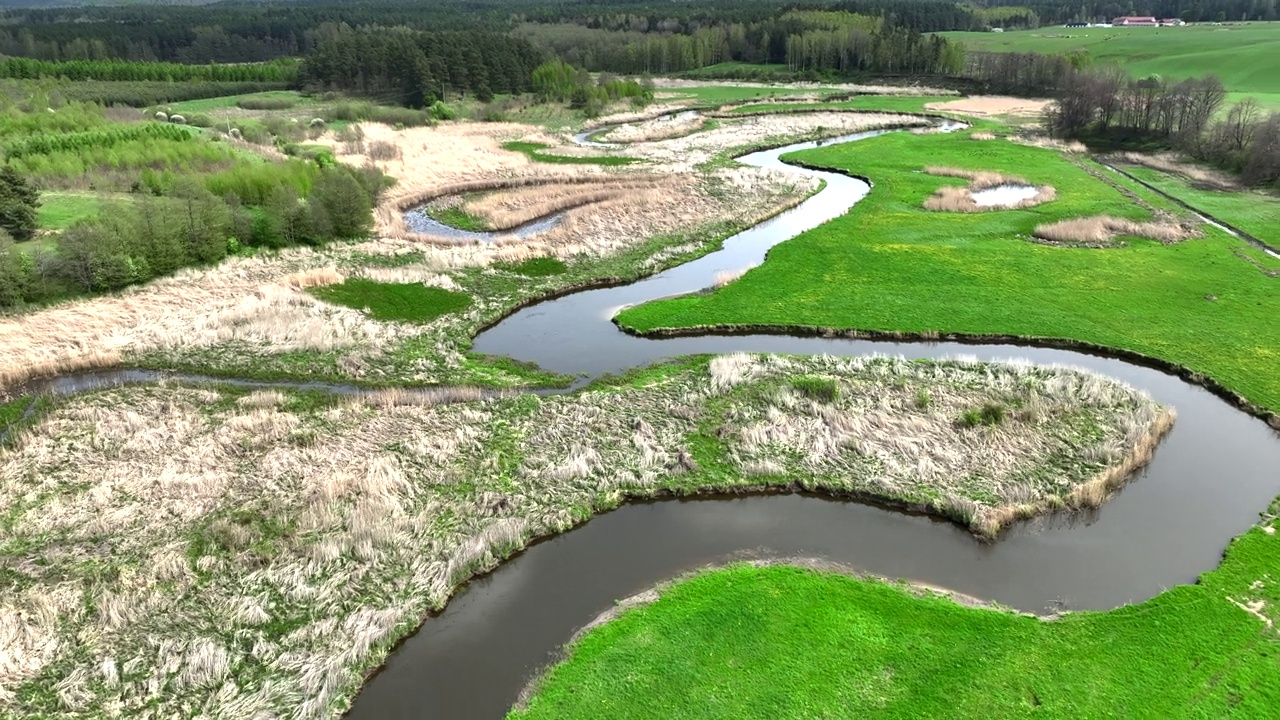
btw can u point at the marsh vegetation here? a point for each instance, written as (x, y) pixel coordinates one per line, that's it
(297, 537)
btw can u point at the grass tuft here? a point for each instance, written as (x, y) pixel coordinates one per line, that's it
(816, 388)
(536, 267)
(535, 152)
(401, 302)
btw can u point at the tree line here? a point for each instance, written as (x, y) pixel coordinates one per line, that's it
(1184, 115)
(417, 68)
(821, 42)
(276, 71)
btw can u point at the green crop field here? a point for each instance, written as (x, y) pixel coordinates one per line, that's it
(783, 642)
(891, 265)
(1246, 55)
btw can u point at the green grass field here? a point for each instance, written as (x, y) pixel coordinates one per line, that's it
(890, 265)
(1246, 55)
(61, 210)
(232, 101)
(787, 643)
(1256, 213)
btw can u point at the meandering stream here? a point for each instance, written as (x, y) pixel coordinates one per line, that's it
(1207, 483)
(1209, 479)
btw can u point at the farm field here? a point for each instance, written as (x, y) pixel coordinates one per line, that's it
(782, 639)
(1245, 55)
(890, 265)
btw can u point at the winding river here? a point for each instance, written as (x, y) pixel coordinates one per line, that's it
(1207, 483)
(1211, 476)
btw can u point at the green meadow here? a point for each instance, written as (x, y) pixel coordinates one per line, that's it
(781, 643)
(891, 265)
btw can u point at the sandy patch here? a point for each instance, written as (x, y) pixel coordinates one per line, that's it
(984, 105)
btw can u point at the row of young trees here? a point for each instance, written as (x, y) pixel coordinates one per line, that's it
(417, 68)
(278, 71)
(152, 236)
(1108, 105)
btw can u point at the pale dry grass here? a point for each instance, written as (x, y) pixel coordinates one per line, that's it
(989, 105)
(656, 129)
(1172, 164)
(902, 90)
(1101, 231)
(685, 153)
(208, 525)
(1074, 147)
(960, 199)
(250, 310)
(982, 136)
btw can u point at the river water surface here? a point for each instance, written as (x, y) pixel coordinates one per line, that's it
(1207, 483)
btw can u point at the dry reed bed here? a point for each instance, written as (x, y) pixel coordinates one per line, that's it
(246, 309)
(1172, 164)
(1101, 230)
(192, 552)
(680, 83)
(688, 152)
(960, 199)
(655, 129)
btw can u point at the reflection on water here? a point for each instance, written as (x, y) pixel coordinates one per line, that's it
(1208, 480)
(1004, 195)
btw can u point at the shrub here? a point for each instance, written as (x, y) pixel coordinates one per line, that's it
(382, 150)
(265, 103)
(923, 400)
(816, 388)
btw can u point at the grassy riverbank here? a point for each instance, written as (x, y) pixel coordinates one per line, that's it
(890, 265)
(784, 642)
(1255, 212)
(266, 546)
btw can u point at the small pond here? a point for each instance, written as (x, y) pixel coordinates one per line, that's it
(1004, 195)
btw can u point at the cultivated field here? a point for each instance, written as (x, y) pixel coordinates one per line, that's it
(1245, 55)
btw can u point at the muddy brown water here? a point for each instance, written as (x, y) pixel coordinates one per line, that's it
(1209, 479)
(1211, 476)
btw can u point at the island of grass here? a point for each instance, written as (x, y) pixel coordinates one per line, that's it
(399, 302)
(782, 642)
(535, 151)
(299, 536)
(890, 265)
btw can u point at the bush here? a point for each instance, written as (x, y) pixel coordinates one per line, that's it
(265, 103)
(816, 388)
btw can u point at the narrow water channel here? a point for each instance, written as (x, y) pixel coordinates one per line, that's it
(1207, 483)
